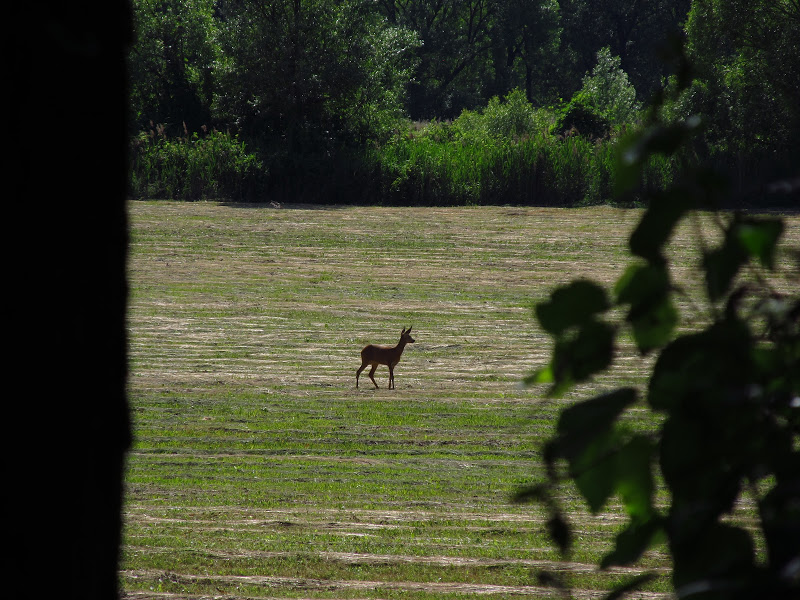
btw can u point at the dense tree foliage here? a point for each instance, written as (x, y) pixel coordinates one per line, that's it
(327, 86)
(632, 30)
(310, 72)
(172, 63)
(475, 49)
(747, 86)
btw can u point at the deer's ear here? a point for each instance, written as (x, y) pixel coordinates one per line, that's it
(402, 332)
(409, 329)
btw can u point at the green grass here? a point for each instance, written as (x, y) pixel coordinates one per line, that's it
(260, 471)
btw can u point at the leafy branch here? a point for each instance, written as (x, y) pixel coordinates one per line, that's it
(728, 396)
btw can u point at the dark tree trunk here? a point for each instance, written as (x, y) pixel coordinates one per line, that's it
(66, 298)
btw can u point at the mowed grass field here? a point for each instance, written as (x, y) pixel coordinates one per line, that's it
(260, 471)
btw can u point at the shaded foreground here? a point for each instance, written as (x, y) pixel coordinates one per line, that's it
(260, 471)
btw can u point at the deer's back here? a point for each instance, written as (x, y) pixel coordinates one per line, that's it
(380, 354)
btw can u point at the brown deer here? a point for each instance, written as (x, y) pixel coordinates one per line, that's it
(384, 355)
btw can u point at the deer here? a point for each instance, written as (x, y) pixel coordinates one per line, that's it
(384, 355)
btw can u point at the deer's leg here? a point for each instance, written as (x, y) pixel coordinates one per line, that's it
(391, 377)
(358, 372)
(372, 373)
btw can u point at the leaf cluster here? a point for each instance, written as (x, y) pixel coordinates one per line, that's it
(727, 396)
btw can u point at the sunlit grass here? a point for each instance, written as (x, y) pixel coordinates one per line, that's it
(260, 471)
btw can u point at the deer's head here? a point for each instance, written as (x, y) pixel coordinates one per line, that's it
(405, 336)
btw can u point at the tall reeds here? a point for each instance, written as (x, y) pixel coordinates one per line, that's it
(466, 162)
(539, 169)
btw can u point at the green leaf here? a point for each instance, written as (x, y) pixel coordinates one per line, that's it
(634, 478)
(640, 282)
(653, 324)
(780, 515)
(652, 315)
(571, 305)
(658, 222)
(543, 375)
(675, 369)
(607, 466)
(633, 541)
(592, 350)
(721, 266)
(533, 493)
(550, 453)
(555, 580)
(701, 190)
(595, 470)
(667, 138)
(745, 239)
(588, 439)
(699, 369)
(700, 472)
(576, 359)
(657, 139)
(560, 533)
(719, 555)
(583, 421)
(629, 165)
(760, 238)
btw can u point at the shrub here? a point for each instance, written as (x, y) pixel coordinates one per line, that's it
(580, 117)
(606, 100)
(461, 163)
(192, 166)
(513, 117)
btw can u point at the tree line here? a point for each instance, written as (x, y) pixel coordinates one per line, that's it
(312, 99)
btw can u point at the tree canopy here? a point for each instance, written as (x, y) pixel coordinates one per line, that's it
(316, 78)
